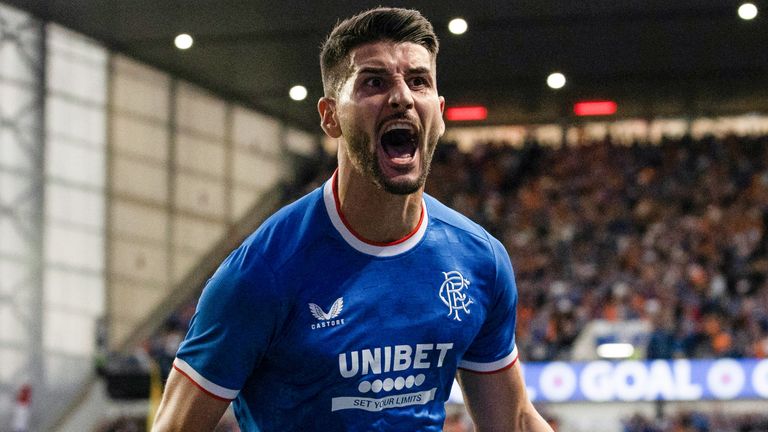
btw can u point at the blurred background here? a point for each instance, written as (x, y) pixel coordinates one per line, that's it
(619, 150)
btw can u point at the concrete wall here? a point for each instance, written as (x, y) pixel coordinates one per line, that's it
(115, 180)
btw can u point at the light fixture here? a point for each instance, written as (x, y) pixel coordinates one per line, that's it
(615, 350)
(466, 113)
(556, 80)
(457, 26)
(595, 108)
(298, 92)
(747, 11)
(183, 41)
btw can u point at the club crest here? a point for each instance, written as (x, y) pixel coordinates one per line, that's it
(453, 293)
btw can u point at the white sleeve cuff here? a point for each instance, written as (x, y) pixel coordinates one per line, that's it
(495, 366)
(207, 386)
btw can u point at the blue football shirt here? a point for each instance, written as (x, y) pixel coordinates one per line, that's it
(308, 327)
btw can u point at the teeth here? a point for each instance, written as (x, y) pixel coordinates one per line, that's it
(399, 125)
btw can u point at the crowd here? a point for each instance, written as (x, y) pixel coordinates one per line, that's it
(675, 234)
(695, 421)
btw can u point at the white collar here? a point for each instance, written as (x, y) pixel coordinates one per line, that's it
(365, 246)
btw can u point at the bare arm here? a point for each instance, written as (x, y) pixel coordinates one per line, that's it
(498, 401)
(186, 407)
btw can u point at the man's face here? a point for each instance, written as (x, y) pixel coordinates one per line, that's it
(390, 114)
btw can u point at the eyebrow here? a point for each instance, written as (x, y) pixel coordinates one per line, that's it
(372, 70)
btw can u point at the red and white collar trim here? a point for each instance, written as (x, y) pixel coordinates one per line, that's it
(330, 197)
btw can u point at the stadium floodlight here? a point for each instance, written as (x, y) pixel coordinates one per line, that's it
(615, 350)
(556, 80)
(183, 41)
(457, 26)
(747, 11)
(298, 93)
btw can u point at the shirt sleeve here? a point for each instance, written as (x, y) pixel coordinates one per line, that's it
(494, 349)
(232, 327)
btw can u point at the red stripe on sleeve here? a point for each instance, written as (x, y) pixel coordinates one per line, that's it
(201, 387)
(495, 371)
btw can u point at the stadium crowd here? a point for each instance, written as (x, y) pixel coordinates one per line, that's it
(675, 234)
(694, 421)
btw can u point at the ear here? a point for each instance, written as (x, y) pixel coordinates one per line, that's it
(442, 111)
(329, 121)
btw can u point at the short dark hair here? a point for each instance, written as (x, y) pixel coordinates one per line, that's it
(380, 24)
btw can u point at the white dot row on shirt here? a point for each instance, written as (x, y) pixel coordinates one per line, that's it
(388, 384)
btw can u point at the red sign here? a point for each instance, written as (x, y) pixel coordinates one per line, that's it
(595, 108)
(466, 113)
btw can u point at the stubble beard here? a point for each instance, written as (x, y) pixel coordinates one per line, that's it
(367, 162)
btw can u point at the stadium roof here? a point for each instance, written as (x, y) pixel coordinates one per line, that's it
(653, 56)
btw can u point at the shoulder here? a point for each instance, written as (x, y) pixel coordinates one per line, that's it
(455, 224)
(290, 229)
(465, 237)
(446, 215)
(254, 266)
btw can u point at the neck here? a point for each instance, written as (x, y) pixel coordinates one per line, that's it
(374, 214)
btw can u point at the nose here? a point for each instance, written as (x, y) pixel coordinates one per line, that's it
(400, 97)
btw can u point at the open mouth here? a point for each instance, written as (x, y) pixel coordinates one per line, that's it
(399, 142)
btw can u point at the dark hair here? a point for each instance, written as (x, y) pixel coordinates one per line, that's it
(380, 24)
